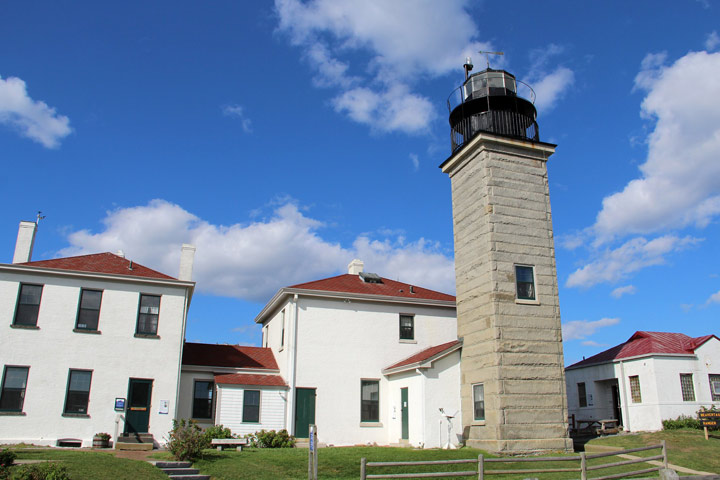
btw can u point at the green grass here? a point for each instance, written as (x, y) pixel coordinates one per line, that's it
(687, 448)
(88, 465)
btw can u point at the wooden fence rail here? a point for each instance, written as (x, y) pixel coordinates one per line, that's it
(480, 473)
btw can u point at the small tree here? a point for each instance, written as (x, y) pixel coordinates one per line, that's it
(186, 440)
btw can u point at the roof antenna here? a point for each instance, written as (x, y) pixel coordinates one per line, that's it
(487, 56)
(40, 216)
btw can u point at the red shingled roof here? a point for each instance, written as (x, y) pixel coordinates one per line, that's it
(249, 379)
(354, 284)
(425, 355)
(99, 263)
(235, 356)
(647, 343)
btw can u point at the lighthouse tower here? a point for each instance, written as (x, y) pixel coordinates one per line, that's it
(513, 384)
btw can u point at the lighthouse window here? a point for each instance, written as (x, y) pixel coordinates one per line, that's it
(525, 282)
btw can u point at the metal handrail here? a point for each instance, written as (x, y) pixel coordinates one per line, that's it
(458, 93)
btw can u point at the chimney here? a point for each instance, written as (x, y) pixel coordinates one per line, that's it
(355, 267)
(25, 242)
(187, 256)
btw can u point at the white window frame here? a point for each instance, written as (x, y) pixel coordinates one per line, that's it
(479, 421)
(526, 301)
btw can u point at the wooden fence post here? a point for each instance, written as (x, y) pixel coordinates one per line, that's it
(481, 468)
(664, 454)
(583, 466)
(363, 461)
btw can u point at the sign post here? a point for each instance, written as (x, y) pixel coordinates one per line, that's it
(312, 453)
(709, 419)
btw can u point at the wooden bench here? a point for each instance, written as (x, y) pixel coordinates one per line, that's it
(229, 442)
(607, 426)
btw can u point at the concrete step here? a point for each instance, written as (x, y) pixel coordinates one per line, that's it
(136, 438)
(189, 477)
(171, 464)
(181, 471)
(133, 446)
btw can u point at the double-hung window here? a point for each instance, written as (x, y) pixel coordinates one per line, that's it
(28, 305)
(687, 387)
(714, 387)
(525, 282)
(478, 401)
(251, 406)
(147, 322)
(89, 310)
(407, 327)
(203, 399)
(370, 401)
(78, 392)
(12, 395)
(582, 394)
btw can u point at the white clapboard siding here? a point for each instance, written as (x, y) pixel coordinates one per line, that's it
(230, 406)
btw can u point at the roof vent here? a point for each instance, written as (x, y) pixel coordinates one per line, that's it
(120, 253)
(370, 277)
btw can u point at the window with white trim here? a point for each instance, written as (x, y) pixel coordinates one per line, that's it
(635, 389)
(407, 327)
(714, 387)
(478, 391)
(525, 282)
(369, 400)
(251, 406)
(687, 387)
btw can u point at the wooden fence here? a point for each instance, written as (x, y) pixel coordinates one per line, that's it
(480, 472)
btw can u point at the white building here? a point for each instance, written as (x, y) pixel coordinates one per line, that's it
(91, 344)
(366, 359)
(236, 386)
(654, 376)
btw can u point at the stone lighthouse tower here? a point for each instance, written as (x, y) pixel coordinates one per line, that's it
(513, 384)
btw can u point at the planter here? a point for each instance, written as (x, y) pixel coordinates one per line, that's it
(100, 441)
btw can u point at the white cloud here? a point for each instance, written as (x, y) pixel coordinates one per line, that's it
(251, 261)
(626, 290)
(714, 298)
(392, 44)
(32, 118)
(549, 86)
(239, 112)
(591, 343)
(680, 179)
(712, 41)
(635, 254)
(415, 161)
(581, 329)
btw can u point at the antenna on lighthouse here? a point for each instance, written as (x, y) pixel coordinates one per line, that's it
(487, 56)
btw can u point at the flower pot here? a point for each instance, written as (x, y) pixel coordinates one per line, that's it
(100, 442)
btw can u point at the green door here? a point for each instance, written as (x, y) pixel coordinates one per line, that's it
(404, 413)
(137, 415)
(304, 411)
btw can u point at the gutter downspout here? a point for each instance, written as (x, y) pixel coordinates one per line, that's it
(292, 367)
(623, 394)
(182, 346)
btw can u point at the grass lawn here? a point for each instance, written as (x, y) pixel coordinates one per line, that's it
(686, 447)
(89, 465)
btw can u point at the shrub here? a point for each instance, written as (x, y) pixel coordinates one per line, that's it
(38, 471)
(216, 431)
(683, 421)
(186, 440)
(7, 457)
(271, 439)
(103, 436)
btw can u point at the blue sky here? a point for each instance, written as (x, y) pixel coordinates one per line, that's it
(285, 139)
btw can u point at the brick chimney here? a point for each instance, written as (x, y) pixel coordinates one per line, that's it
(25, 242)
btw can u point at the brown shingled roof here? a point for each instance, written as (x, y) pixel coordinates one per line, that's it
(425, 355)
(249, 379)
(647, 343)
(349, 283)
(234, 356)
(108, 263)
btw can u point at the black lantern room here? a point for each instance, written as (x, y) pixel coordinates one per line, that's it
(488, 101)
